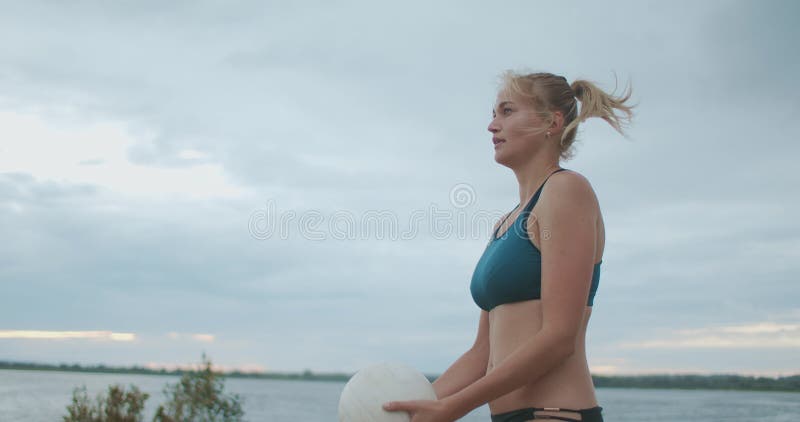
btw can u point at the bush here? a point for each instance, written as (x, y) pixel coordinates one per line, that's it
(198, 397)
(118, 406)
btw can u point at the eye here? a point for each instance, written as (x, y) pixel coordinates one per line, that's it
(507, 110)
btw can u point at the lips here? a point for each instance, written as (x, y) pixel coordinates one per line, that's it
(497, 141)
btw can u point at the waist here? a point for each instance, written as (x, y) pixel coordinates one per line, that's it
(568, 386)
(590, 414)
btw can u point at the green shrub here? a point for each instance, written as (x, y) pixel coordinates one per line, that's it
(118, 406)
(199, 397)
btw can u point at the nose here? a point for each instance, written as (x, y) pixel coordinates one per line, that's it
(493, 127)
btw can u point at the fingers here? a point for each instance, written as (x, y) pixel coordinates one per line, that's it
(393, 406)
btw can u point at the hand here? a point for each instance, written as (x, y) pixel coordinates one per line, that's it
(423, 410)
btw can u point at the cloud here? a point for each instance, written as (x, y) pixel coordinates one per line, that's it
(761, 335)
(66, 335)
(130, 166)
(96, 154)
(205, 338)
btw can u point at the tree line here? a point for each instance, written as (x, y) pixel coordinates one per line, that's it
(710, 382)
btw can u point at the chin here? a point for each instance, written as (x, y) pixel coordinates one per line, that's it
(502, 159)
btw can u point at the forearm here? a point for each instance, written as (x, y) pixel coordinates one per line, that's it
(470, 367)
(531, 361)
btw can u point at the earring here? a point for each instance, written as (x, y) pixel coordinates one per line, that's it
(547, 135)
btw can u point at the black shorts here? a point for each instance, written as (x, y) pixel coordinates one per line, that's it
(592, 414)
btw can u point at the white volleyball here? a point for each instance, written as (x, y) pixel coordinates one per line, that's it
(365, 393)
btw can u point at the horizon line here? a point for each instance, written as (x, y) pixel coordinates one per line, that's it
(224, 369)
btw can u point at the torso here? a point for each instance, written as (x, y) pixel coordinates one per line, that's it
(510, 325)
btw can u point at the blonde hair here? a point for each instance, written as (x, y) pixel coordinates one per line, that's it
(548, 93)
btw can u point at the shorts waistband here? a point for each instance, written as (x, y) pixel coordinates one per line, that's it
(591, 414)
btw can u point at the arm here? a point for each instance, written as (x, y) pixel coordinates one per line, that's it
(470, 367)
(567, 232)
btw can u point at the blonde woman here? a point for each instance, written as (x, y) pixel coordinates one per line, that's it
(536, 280)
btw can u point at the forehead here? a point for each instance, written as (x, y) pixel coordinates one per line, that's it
(504, 96)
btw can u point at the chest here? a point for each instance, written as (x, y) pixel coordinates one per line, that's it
(509, 270)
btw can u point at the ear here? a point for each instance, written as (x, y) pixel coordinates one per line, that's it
(558, 121)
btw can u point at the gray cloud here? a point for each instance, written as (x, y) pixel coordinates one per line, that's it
(354, 106)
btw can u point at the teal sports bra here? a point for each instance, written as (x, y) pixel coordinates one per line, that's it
(510, 269)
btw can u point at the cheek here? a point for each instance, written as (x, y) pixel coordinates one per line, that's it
(518, 126)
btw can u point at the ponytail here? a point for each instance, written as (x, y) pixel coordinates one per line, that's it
(597, 103)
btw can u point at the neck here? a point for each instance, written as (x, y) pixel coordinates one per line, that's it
(532, 173)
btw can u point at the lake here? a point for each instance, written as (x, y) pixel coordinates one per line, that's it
(44, 395)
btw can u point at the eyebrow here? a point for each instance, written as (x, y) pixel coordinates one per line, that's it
(499, 106)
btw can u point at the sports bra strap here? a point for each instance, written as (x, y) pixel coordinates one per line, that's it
(528, 208)
(535, 198)
(494, 236)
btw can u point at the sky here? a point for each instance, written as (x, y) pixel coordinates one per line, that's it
(310, 185)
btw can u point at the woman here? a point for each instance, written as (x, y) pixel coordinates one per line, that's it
(537, 278)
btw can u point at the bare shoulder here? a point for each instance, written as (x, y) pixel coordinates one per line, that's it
(570, 184)
(568, 191)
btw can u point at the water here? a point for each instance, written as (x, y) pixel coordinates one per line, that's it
(43, 396)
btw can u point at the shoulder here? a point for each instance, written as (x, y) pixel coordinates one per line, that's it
(568, 191)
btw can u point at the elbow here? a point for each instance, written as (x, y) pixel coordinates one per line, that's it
(563, 346)
(568, 348)
(481, 354)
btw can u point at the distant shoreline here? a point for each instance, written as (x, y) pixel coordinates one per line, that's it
(683, 382)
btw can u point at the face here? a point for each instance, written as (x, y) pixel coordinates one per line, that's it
(517, 130)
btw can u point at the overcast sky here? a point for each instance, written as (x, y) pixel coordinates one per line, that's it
(180, 177)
